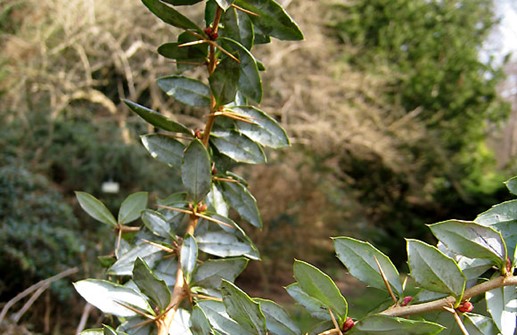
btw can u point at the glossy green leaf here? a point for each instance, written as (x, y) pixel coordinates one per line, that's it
(509, 234)
(164, 148)
(215, 200)
(110, 297)
(224, 4)
(433, 270)
(272, 19)
(386, 325)
(314, 306)
(471, 240)
(502, 306)
(124, 265)
(163, 269)
(180, 323)
(210, 273)
(472, 268)
(238, 147)
(238, 26)
(250, 83)
(169, 15)
(199, 322)
(150, 285)
(359, 258)
(321, 287)
(503, 212)
(136, 326)
(511, 185)
(265, 130)
(181, 2)
(188, 257)
(224, 81)
(479, 324)
(278, 321)
(224, 244)
(189, 91)
(156, 119)
(156, 223)
(243, 202)
(196, 171)
(132, 207)
(215, 312)
(241, 308)
(95, 208)
(107, 330)
(210, 9)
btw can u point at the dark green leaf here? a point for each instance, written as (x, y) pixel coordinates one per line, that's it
(479, 324)
(224, 4)
(215, 312)
(314, 306)
(210, 9)
(199, 321)
(196, 171)
(238, 27)
(502, 306)
(188, 257)
(156, 119)
(243, 202)
(110, 297)
(278, 321)
(250, 84)
(110, 331)
(95, 208)
(433, 270)
(150, 285)
(272, 19)
(509, 234)
(216, 200)
(265, 130)
(238, 147)
(164, 149)
(321, 287)
(124, 265)
(503, 212)
(242, 309)
(471, 240)
(359, 258)
(210, 273)
(182, 2)
(186, 90)
(132, 207)
(386, 325)
(224, 81)
(156, 223)
(170, 16)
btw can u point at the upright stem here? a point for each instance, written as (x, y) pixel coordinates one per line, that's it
(181, 288)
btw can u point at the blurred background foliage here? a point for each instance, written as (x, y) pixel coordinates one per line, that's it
(395, 118)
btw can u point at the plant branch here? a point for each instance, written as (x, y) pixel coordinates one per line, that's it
(437, 305)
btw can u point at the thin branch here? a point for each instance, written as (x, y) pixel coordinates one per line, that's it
(336, 325)
(457, 319)
(16, 317)
(245, 10)
(386, 282)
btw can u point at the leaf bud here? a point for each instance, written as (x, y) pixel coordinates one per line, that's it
(406, 301)
(465, 307)
(348, 324)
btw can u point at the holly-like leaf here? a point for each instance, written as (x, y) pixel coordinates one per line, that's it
(359, 258)
(250, 84)
(238, 147)
(196, 172)
(243, 202)
(224, 244)
(199, 322)
(386, 325)
(95, 208)
(511, 185)
(503, 212)
(156, 289)
(224, 81)
(314, 306)
(132, 207)
(278, 321)
(238, 26)
(164, 149)
(124, 265)
(189, 91)
(215, 199)
(471, 240)
(156, 119)
(271, 19)
(110, 298)
(502, 306)
(136, 326)
(215, 312)
(320, 286)
(156, 223)
(479, 324)
(210, 273)
(188, 257)
(170, 16)
(241, 308)
(264, 130)
(433, 270)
